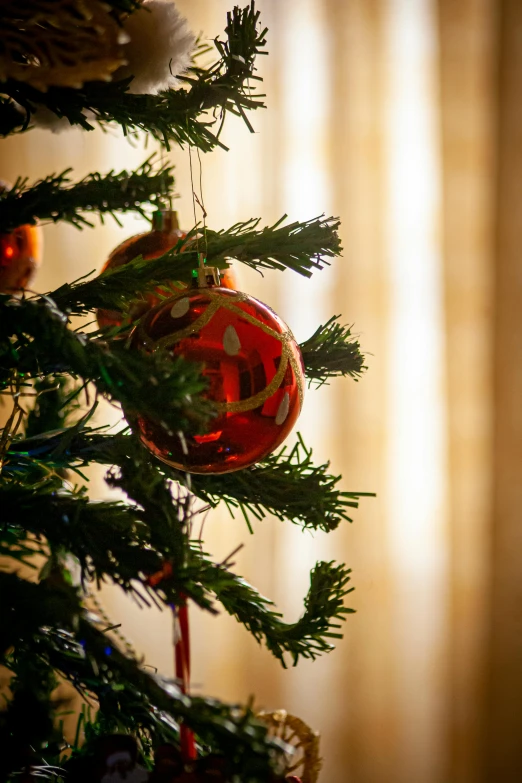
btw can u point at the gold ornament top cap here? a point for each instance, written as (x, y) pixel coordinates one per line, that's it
(205, 277)
(165, 220)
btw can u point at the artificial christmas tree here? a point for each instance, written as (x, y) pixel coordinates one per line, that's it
(222, 370)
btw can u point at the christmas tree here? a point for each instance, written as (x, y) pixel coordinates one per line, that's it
(209, 382)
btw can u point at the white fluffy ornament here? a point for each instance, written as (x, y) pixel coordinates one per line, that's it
(159, 47)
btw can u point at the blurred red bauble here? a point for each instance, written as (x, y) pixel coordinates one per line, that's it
(165, 235)
(20, 256)
(254, 370)
(228, 279)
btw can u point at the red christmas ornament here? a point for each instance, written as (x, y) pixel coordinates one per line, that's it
(254, 370)
(20, 256)
(165, 235)
(228, 279)
(181, 656)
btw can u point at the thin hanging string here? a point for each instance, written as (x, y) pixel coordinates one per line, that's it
(202, 201)
(194, 202)
(163, 160)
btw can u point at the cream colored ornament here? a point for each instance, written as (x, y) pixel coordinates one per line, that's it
(59, 43)
(305, 761)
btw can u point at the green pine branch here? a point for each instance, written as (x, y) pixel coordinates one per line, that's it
(116, 288)
(55, 402)
(286, 484)
(301, 247)
(56, 198)
(27, 717)
(127, 543)
(181, 116)
(308, 637)
(15, 547)
(109, 539)
(43, 627)
(52, 630)
(330, 352)
(35, 340)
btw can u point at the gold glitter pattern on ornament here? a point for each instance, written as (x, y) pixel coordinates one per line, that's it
(261, 397)
(171, 339)
(218, 301)
(58, 43)
(305, 761)
(298, 372)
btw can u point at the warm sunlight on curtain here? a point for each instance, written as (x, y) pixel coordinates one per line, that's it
(402, 117)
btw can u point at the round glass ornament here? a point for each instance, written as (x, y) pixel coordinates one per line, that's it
(164, 235)
(20, 256)
(254, 370)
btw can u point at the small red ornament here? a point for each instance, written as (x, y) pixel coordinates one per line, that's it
(253, 366)
(20, 256)
(165, 235)
(228, 279)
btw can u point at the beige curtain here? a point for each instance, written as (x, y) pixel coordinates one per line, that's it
(403, 117)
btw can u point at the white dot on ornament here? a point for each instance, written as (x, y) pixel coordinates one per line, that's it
(180, 308)
(231, 342)
(184, 448)
(282, 411)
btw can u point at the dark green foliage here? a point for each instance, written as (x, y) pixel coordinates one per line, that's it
(46, 514)
(52, 406)
(332, 351)
(301, 247)
(35, 340)
(308, 637)
(27, 726)
(286, 484)
(116, 288)
(128, 543)
(179, 116)
(53, 633)
(56, 198)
